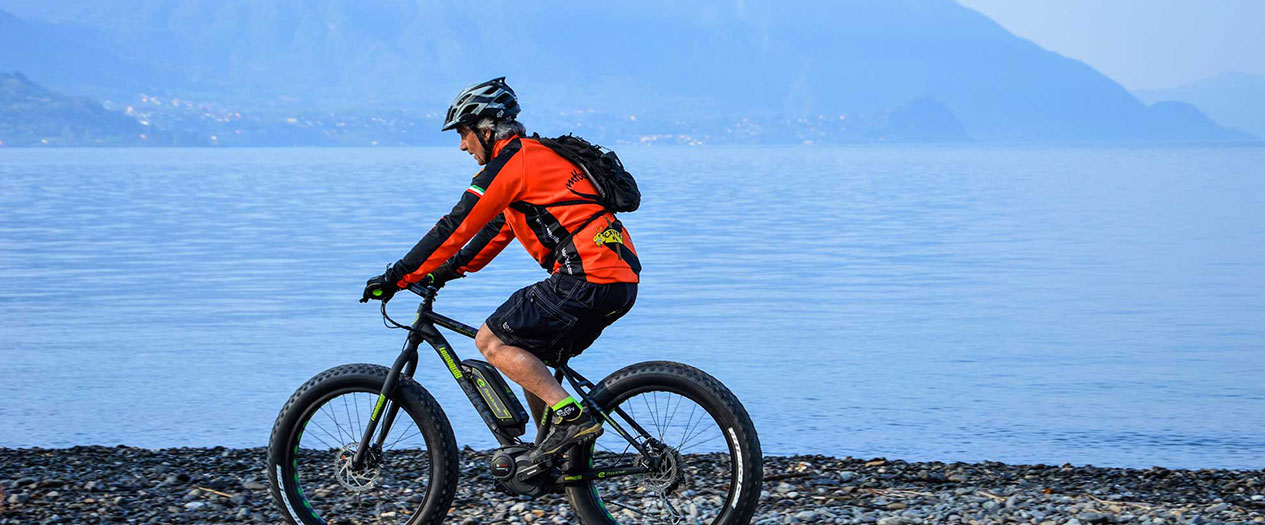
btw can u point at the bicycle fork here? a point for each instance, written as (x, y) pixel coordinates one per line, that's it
(384, 410)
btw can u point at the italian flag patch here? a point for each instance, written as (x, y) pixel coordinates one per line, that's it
(475, 190)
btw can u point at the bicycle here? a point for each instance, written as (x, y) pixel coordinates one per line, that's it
(676, 468)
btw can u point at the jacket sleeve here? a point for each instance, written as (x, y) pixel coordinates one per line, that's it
(484, 247)
(492, 190)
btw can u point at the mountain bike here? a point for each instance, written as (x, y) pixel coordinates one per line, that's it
(362, 443)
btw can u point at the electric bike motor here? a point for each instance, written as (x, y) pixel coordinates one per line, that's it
(510, 463)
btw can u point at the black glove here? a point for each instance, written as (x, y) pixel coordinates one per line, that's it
(441, 276)
(379, 288)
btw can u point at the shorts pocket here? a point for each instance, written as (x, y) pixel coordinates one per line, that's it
(542, 323)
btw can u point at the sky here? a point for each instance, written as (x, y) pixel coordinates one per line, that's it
(1142, 43)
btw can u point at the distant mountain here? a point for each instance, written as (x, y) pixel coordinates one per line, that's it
(76, 61)
(31, 115)
(1233, 99)
(711, 70)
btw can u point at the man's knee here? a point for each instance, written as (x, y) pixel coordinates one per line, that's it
(488, 343)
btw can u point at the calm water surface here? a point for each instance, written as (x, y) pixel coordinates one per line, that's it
(1093, 305)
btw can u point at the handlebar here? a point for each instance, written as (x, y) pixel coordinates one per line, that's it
(424, 290)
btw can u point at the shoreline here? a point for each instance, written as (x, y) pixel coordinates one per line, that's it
(220, 485)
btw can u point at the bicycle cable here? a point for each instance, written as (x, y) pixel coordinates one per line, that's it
(388, 322)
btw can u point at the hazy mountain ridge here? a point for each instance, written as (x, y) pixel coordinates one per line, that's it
(1233, 99)
(710, 72)
(31, 115)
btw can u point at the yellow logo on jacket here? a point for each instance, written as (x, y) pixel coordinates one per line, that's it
(609, 235)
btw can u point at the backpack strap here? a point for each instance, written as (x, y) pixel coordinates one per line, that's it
(569, 203)
(552, 258)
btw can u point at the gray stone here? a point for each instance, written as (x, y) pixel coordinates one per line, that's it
(254, 485)
(1091, 517)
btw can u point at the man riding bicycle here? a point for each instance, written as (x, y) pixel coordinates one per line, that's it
(529, 192)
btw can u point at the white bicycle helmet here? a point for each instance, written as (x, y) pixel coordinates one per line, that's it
(492, 99)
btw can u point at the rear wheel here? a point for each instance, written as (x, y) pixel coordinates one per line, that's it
(410, 479)
(709, 459)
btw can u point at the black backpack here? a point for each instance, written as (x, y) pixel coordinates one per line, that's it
(616, 189)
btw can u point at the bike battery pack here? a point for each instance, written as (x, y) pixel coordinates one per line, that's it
(508, 410)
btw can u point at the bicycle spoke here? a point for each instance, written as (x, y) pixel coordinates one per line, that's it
(337, 439)
(348, 412)
(687, 426)
(653, 417)
(690, 434)
(708, 440)
(356, 403)
(330, 414)
(318, 438)
(680, 399)
(403, 435)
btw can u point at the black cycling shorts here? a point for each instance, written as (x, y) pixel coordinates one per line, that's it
(560, 316)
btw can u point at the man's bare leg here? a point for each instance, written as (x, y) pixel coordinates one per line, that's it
(536, 406)
(521, 366)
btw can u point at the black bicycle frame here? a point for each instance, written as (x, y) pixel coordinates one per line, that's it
(424, 329)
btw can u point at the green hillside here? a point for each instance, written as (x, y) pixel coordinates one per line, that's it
(31, 115)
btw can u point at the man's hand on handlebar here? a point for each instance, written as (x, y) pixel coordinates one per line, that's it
(378, 288)
(441, 276)
(382, 287)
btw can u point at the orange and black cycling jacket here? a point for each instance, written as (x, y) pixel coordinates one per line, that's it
(530, 193)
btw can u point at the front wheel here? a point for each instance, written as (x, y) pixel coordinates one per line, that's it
(709, 463)
(410, 479)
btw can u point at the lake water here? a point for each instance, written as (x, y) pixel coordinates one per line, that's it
(1082, 305)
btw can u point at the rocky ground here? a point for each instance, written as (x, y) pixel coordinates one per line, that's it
(130, 485)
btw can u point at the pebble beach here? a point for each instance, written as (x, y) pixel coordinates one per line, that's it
(217, 485)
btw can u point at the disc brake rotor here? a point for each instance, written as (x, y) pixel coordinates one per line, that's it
(670, 475)
(357, 480)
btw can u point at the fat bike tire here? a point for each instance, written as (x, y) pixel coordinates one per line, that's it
(417, 409)
(627, 388)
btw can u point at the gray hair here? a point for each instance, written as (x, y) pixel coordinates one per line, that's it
(501, 129)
